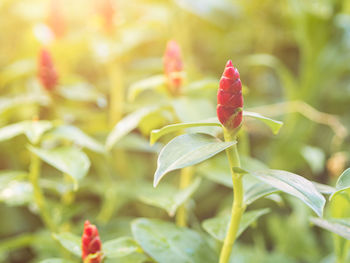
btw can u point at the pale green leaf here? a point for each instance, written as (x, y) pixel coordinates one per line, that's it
(69, 160)
(120, 247)
(165, 242)
(274, 125)
(156, 134)
(70, 242)
(145, 84)
(187, 150)
(126, 125)
(168, 197)
(217, 227)
(77, 136)
(343, 183)
(294, 185)
(336, 227)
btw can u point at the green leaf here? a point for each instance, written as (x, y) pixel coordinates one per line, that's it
(165, 242)
(126, 125)
(70, 242)
(274, 125)
(217, 226)
(257, 191)
(16, 193)
(315, 158)
(156, 134)
(120, 247)
(187, 150)
(82, 92)
(77, 136)
(69, 160)
(323, 188)
(343, 183)
(168, 197)
(32, 129)
(336, 227)
(55, 260)
(145, 84)
(294, 185)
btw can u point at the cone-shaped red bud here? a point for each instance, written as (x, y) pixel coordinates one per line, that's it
(46, 71)
(56, 19)
(230, 98)
(91, 245)
(107, 11)
(173, 67)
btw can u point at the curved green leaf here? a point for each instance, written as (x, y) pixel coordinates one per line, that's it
(32, 129)
(120, 247)
(274, 125)
(217, 226)
(343, 183)
(336, 227)
(145, 84)
(70, 242)
(187, 150)
(257, 191)
(167, 197)
(77, 136)
(156, 134)
(69, 160)
(165, 242)
(126, 125)
(55, 260)
(294, 185)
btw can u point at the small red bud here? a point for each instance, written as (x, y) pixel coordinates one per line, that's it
(173, 66)
(230, 99)
(56, 19)
(91, 245)
(107, 11)
(47, 73)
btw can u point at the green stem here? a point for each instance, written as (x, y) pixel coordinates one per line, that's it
(38, 194)
(238, 206)
(185, 180)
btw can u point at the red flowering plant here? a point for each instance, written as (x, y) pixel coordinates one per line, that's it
(249, 182)
(91, 245)
(47, 73)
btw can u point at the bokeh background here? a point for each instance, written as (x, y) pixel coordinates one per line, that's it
(294, 61)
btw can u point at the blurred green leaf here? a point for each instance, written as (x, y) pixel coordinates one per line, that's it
(70, 242)
(120, 247)
(167, 197)
(145, 84)
(78, 137)
(217, 226)
(336, 227)
(55, 260)
(69, 160)
(315, 157)
(274, 125)
(257, 191)
(294, 185)
(16, 193)
(165, 242)
(343, 183)
(32, 129)
(82, 92)
(187, 150)
(156, 134)
(126, 125)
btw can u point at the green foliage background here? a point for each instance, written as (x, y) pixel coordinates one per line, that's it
(92, 137)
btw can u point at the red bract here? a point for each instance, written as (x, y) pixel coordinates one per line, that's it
(56, 19)
(107, 11)
(230, 99)
(47, 73)
(173, 67)
(91, 244)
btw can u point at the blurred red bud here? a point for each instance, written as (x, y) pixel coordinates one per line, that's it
(173, 67)
(91, 245)
(230, 98)
(107, 11)
(55, 19)
(46, 71)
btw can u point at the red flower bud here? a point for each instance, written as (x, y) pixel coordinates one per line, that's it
(56, 19)
(47, 73)
(107, 11)
(173, 67)
(230, 99)
(91, 244)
